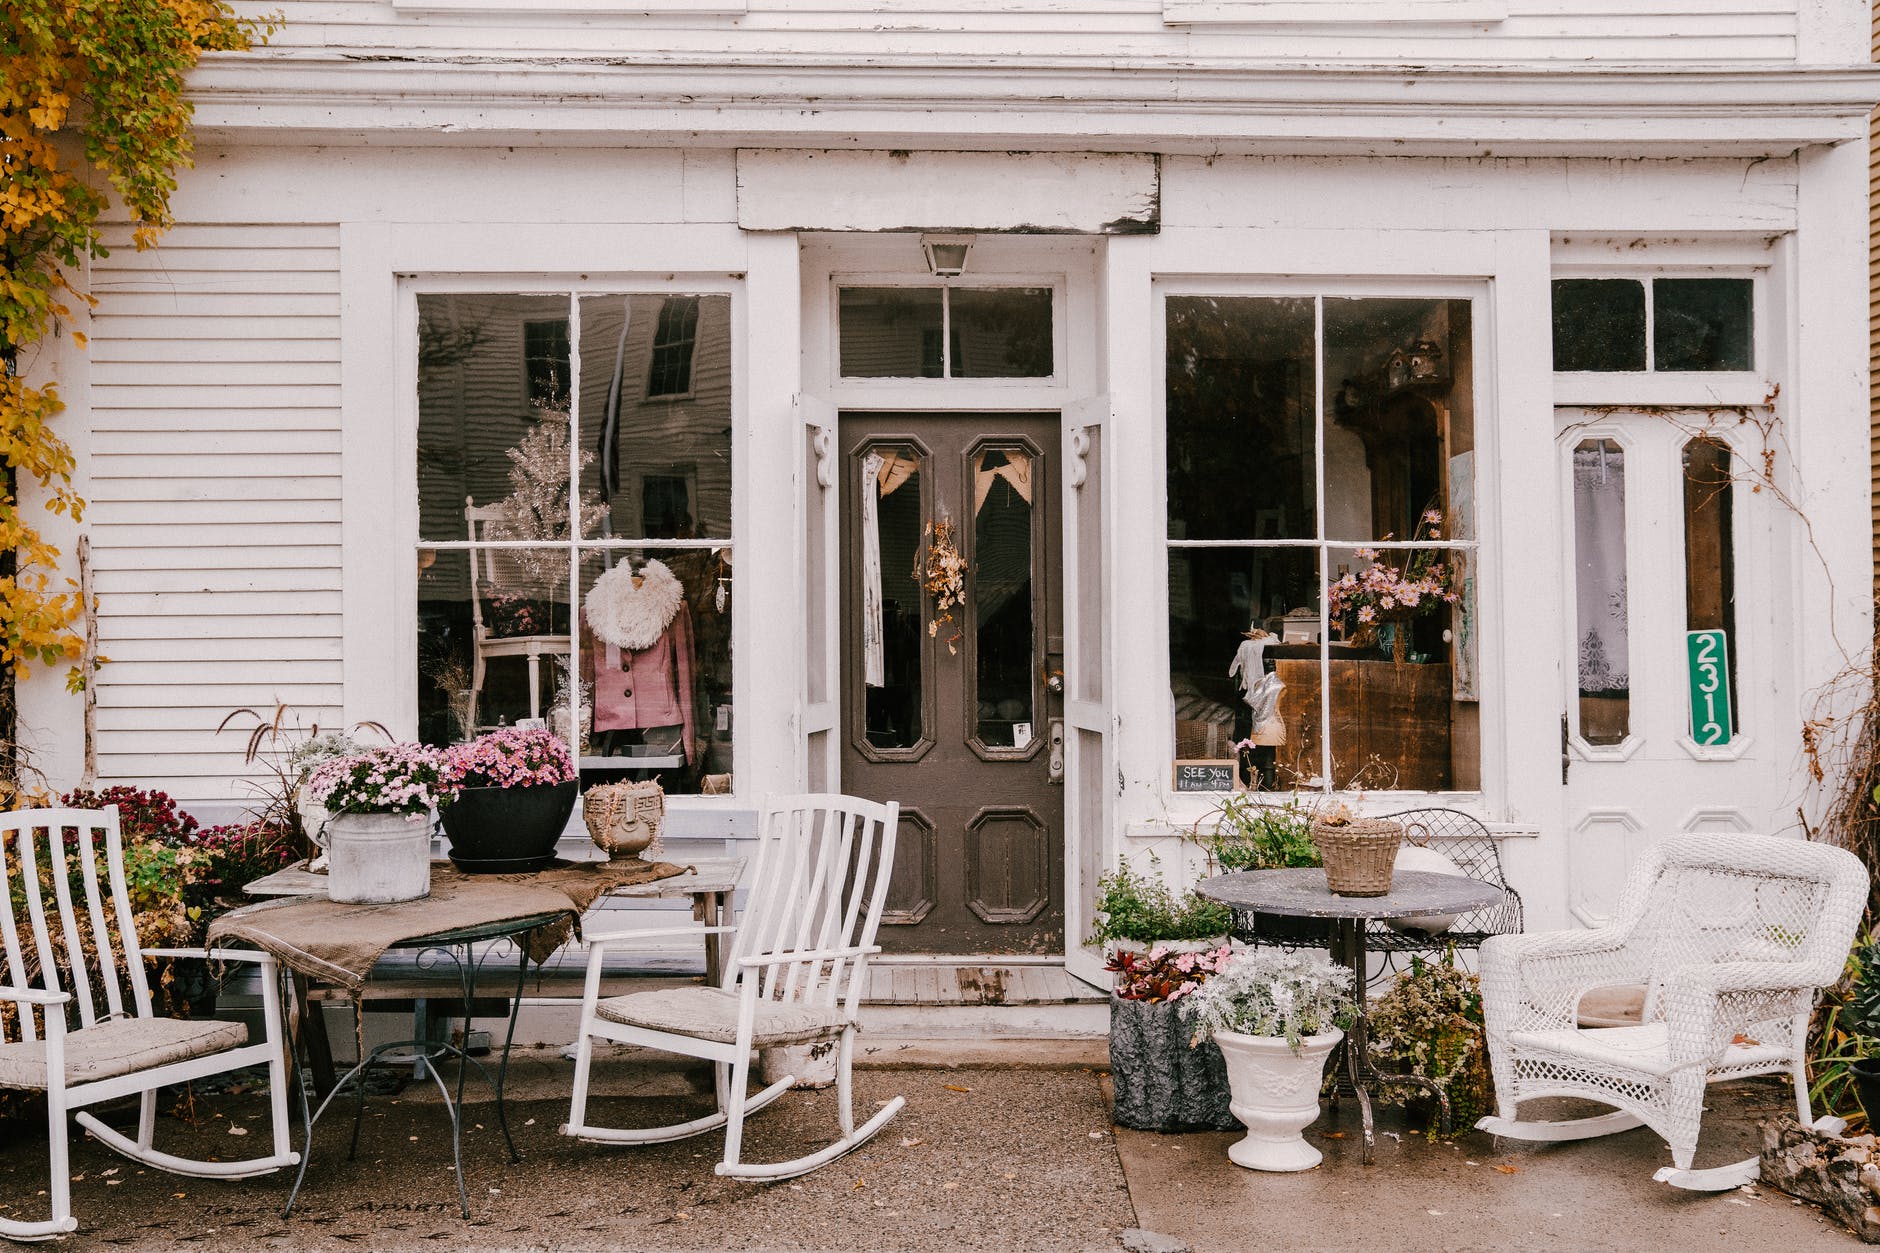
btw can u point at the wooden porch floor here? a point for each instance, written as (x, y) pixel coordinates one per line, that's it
(935, 983)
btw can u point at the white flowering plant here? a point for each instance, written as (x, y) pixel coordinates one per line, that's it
(397, 779)
(1269, 992)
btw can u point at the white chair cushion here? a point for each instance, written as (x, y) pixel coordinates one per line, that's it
(712, 1014)
(1643, 1049)
(119, 1046)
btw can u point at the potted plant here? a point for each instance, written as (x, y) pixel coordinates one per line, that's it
(1395, 588)
(1861, 1015)
(1161, 1083)
(1245, 833)
(1137, 912)
(1429, 1027)
(378, 839)
(1276, 1017)
(513, 790)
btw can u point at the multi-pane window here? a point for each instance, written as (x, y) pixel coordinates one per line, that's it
(674, 338)
(1663, 324)
(574, 549)
(1321, 540)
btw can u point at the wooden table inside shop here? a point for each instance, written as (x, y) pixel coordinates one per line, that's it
(709, 881)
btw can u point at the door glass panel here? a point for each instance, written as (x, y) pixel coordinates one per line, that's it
(1600, 591)
(1003, 494)
(892, 519)
(1709, 546)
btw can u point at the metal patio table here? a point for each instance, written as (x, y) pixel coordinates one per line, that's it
(1303, 894)
(457, 947)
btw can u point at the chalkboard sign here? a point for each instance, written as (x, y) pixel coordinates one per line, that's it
(1205, 776)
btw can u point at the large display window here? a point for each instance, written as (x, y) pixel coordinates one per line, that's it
(1321, 475)
(575, 547)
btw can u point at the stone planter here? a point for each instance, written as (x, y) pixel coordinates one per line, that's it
(1276, 1095)
(507, 830)
(1161, 1083)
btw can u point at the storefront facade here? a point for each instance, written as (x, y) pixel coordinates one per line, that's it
(978, 422)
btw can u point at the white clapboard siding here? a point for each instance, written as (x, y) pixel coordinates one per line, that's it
(215, 496)
(1612, 31)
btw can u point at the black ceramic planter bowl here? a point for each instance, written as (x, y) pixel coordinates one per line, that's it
(507, 830)
(1866, 1073)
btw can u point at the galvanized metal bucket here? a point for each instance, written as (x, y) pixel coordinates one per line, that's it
(377, 859)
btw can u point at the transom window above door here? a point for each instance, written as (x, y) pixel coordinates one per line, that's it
(1321, 475)
(947, 331)
(574, 526)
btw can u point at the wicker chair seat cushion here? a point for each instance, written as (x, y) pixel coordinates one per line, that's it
(118, 1046)
(1643, 1049)
(712, 1014)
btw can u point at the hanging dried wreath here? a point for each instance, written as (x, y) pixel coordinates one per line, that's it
(941, 572)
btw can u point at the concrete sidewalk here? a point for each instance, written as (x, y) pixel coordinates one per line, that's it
(987, 1156)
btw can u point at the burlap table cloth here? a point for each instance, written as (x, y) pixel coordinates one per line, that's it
(338, 943)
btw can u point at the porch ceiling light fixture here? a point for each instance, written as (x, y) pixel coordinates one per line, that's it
(946, 254)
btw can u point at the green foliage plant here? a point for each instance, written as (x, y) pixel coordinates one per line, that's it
(1275, 993)
(1429, 1025)
(1246, 833)
(1845, 1030)
(82, 82)
(1140, 908)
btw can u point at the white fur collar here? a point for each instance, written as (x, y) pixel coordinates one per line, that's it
(633, 617)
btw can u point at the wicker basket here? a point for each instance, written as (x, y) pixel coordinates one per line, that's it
(624, 818)
(1359, 854)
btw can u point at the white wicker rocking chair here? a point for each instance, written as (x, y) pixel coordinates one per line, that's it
(1730, 936)
(117, 1049)
(795, 977)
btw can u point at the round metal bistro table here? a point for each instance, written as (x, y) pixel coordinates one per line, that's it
(1303, 894)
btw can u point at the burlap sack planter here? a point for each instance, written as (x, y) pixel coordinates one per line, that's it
(1162, 1084)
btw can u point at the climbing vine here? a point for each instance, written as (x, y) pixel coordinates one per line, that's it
(83, 83)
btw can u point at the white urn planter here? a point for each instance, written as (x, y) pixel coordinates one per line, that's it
(1275, 1093)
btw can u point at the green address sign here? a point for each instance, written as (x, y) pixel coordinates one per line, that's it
(1709, 657)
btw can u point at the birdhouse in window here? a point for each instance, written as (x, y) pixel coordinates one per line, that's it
(1426, 359)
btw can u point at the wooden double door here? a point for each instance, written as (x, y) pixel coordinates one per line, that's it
(952, 640)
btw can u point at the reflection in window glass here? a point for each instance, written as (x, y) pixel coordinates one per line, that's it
(1599, 575)
(1599, 324)
(506, 634)
(887, 553)
(1709, 547)
(658, 466)
(1005, 668)
(890, 332)
(1000, 332)
(1701, 324)
(1241, 431)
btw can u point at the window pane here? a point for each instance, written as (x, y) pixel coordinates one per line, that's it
(1000, 332)
(1241, 431)
(890, 332)
(886, 552)
(655, 668)
(656, 466)
(1226, 685)
(490, 426)
(492, 638)
(1404, 671)
(1709, 551)
(1400, 420)
(1005, 665)
(1702, 324)
(1599, 324)
(1600, 591)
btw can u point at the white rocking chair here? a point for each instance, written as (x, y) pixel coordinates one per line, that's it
(795, 977)
(115, 1051)
(1730, 936)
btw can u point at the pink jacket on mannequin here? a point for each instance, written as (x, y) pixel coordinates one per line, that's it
(649, 687)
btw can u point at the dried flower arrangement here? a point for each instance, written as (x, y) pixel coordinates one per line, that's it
(941, 572)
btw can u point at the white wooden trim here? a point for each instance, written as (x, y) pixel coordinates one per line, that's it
(521, 10)
(1331, 12)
